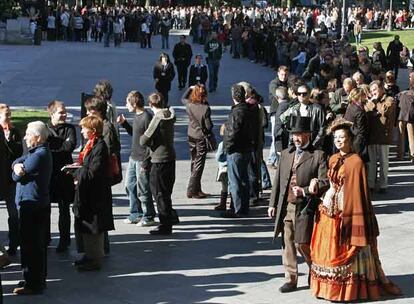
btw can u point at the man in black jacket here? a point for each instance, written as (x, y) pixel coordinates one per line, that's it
(393, 54)
(62, 142)
(10, 149)
(198, 72)
(238, 143)
(214, 49)
(280, 131)
(182, 54)
(307, 109)
(281, 80)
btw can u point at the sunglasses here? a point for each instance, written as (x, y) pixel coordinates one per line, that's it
(303, 93)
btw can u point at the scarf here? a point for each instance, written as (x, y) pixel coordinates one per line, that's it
(87, 149)
(7, 126)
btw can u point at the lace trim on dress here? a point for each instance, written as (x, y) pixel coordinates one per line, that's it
(332, 204)
(341, 273)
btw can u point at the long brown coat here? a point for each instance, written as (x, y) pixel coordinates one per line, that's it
(312, 164)
(381, 120)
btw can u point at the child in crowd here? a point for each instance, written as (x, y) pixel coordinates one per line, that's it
(221, 158)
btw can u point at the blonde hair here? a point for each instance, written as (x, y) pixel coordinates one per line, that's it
(356, 95)
(4, 107)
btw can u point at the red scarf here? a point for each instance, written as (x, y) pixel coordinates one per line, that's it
(6, 127)
(87, 149)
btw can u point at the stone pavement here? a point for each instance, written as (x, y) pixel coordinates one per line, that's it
(208, 259)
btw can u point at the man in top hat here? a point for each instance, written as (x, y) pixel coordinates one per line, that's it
(300, 180)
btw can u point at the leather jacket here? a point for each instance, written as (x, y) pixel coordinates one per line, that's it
(318, 126)
(239, 134)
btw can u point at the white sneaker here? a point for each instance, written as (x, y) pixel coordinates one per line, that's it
(128, 221)
(146, 223)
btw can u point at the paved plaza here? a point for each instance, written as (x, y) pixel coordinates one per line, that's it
(208, 259)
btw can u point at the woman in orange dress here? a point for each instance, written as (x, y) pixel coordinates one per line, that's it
(345, 261)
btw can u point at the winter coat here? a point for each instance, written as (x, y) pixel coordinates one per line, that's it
(93, 196)
(163, 76)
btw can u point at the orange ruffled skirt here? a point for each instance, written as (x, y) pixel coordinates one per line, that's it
(343, 272)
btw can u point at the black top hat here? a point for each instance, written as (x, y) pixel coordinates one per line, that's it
(300, 124)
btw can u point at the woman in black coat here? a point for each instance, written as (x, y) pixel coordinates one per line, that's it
(356, 114)
(163, 75)
(98, 107)
(199, 126)
(92, 206)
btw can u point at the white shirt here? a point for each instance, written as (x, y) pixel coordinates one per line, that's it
(51, 22)
(64, 18)
(303, 110)
(328, 22)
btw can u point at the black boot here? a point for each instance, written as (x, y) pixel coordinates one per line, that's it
(223, 200)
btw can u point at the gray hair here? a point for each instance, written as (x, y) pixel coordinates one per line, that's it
(358, 76)
(247, 87)
(281, 93)
(38, 128)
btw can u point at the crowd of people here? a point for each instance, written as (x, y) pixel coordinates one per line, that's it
(333, 111)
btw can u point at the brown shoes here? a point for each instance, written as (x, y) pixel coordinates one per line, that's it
(288, 287)
(199, 195)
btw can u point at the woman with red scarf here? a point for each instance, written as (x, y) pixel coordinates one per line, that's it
(92, 206)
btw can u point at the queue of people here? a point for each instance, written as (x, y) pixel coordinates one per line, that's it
(306, 133)
(333, 111)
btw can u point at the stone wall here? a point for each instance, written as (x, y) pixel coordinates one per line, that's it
(16, 31)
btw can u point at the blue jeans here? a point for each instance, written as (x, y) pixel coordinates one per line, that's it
(139, 192)
(236, 47)
(237, 172)
(272, 159)
(358, 38)
(165, 42)
(213, 68)
(107, 38)
(266, 183)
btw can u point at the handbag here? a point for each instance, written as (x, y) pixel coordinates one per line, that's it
(115, 172)
(211, 142)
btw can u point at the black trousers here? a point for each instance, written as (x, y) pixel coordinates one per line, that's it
(33, 253)
(182, 69)
(64, 223)
(164, 94)
(162, 179)
(13, 219)
(198, 153)
(1, 292)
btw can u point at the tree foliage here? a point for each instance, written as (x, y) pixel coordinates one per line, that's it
(9, 9)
